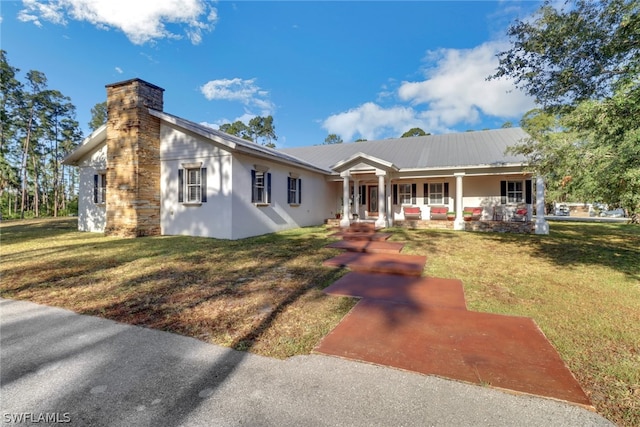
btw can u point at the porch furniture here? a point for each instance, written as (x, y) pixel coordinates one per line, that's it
(439, 212)
(412, 212)
(476, 213)
(498, 213)
(520, 213)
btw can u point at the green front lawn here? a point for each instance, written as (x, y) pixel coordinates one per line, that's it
(581, 284)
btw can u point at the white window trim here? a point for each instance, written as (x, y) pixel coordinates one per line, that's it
(261, 173)
(440, 201)
(514, 193)
(188, 185)
(403, 194)
(102, 188)
(294, 193)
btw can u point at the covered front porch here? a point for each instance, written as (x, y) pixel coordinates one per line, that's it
(499, 200)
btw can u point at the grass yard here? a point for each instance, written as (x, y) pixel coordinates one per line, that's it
(581, 284)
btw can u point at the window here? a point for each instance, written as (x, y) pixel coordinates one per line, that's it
(404, 194)
(192, 184)
(100, 188)
(436, 193)
(514, 192)
(294, 186)
(260, 187)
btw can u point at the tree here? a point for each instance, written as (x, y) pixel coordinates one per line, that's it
(564, 57)
(262, 128)
(507, 125)
(332, 138)
(98, 115)
(414, 132)
(582, 65)
(259, 128)
(38, 129)
(236, 128)
(10, 94)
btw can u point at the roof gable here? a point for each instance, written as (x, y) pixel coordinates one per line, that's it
(90, 143)
(357, 160)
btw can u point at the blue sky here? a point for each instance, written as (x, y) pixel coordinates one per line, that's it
(358, 69)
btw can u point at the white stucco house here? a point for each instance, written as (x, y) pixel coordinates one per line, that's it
(147, 172)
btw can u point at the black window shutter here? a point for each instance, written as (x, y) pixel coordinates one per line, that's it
(363, 194)
(395, 194)
(269, 187)
(203, 185)
(414, 190)
(446, 193)
(527, 192)
(180, 185)
(299, 190)
(289, 190)
(253, 187)
(503, 192)
(425, 191)
(95, 188)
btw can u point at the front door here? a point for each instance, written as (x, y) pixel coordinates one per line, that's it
(373, 201)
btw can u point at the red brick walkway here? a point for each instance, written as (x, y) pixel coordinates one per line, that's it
(421, 324)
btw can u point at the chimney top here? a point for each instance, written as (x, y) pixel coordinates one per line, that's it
(127, 82)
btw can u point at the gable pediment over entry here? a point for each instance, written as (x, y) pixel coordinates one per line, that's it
(361, 161)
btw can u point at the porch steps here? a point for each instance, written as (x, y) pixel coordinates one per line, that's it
(399, 264)
(368, 246)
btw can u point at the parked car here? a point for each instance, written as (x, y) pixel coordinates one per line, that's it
(561, 210)
(615, 213)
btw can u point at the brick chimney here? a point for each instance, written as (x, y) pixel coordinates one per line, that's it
(133, 159)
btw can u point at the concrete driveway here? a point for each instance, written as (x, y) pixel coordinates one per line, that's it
(85, 371)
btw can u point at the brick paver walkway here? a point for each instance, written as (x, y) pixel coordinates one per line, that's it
(421, 324)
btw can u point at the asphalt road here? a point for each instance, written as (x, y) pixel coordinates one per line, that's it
(85, 371)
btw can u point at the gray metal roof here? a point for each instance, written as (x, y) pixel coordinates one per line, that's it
(466, 149)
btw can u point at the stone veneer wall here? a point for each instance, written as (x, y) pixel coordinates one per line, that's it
(500, 226)
(133, 159)
(489, 226)
(423, 224)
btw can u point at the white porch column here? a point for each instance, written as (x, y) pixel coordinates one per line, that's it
(541, 225)
(389, 202)
(382, 206)
(459, 222)
(344, 222)
(356, 198)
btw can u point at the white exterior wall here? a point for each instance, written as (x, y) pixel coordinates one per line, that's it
(211, 218)
(252, 220)
(91, 216)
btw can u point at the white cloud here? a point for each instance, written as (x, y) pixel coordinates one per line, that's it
(33, 10)
(119, 70)
(141, 21)
(371, 121)
(454, 92)
(239, 90)
(456, 88)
